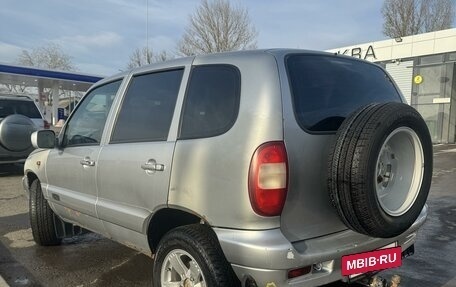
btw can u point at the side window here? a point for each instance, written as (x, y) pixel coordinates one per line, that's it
(212, 101)
(86, 125)
(148, 107)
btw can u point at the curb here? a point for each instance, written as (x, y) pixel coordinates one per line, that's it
(3, 282)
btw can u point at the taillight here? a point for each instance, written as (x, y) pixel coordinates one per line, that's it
(268, 179)
(46, 124)
(299, 272)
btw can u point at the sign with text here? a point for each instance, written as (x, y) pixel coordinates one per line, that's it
(359, 53)
(371, 261)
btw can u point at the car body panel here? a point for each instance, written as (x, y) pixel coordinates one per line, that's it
(71, 186)
(127, 194)
(210, 175)
(35, 167)
(268, 255)
(308, 212)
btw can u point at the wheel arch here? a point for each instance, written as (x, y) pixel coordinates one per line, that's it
(167, 219)
(31, 176)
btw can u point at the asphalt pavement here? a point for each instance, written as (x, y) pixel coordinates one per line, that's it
(92, 260)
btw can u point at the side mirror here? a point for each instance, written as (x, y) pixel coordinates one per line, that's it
(43, 139)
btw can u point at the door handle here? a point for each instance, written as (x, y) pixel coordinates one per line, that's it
(87, 161)
(151, 166)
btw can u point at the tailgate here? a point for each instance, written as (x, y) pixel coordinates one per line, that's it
(320, 92)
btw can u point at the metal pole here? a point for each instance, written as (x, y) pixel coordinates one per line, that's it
(55, 103)
(147, 25)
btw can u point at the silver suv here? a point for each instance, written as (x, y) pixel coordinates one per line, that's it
(19, 117)
(253, 168)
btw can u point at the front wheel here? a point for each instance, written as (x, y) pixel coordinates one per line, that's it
(42, 218)
(191, 256)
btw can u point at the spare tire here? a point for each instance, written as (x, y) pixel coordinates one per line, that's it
(15, 131)
(380, 169)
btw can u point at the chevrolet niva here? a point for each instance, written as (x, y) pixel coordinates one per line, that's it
(251, 168)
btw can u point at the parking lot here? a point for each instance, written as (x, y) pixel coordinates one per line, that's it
(92, 260)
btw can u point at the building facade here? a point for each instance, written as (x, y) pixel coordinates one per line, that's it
(424, 68)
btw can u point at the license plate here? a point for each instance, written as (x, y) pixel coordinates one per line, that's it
(384, 258)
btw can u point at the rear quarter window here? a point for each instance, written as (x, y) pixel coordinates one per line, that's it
(326, 89)
(212, 101)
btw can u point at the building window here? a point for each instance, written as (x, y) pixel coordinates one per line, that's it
(452, 57)
(431, 59)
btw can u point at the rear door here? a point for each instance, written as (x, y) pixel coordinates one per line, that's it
(134, 167)
(71, 169)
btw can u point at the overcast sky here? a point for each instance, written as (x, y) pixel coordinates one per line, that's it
(100, 35)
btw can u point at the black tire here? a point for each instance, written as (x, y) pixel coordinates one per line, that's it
(352, 169)
(201, 243)
(42, 218)
(15, 131)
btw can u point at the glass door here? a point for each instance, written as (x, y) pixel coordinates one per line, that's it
(432, 86)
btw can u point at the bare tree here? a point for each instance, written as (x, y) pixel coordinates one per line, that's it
(410, 17)
(163, 56)
(49, 56)
(145, 56)
(140, 57)
(16, 89)
(439, 15)
(217, 26)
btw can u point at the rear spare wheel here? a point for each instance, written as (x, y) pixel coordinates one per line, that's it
(15, 131)
(380, 169)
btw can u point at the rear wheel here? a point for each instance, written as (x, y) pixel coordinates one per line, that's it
(380, 169)
(42, 218)
(191, 256)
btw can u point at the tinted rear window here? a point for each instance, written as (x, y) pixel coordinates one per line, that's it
(26, 108)
(212, 101)
(326, 89)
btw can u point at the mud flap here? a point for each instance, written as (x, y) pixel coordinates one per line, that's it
(67, 230)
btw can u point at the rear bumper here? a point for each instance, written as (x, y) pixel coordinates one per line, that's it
(267, 255)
